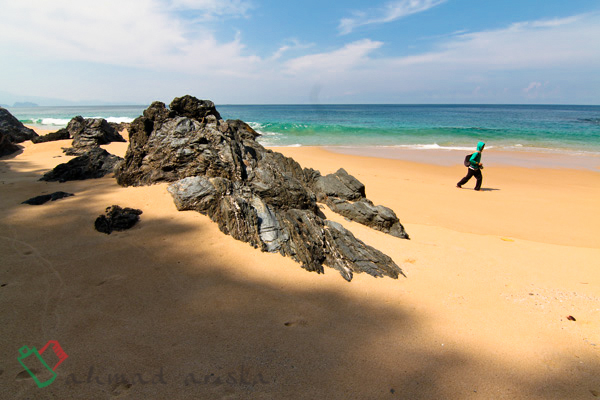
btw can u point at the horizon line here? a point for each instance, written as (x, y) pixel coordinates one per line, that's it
(315, 104)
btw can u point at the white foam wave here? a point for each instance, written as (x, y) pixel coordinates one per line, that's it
(433, 146)
(54, 121)
(271, 144)
(119, 120)
(269, 133)
(255, 125)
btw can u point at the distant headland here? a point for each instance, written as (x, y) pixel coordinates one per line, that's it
(21, 104)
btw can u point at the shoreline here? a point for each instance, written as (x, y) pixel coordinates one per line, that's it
(490, 157)
(452, 157)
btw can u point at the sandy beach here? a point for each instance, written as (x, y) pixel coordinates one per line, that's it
(184, 311)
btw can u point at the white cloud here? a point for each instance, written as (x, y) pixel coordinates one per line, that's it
(537, 44)
(544, 44)
(554, 50)
(164, 52)
(532, 86)
(337, 61)
(538, 90)
(551, 23)
(126, 33)
(294, 45)
(391, 12)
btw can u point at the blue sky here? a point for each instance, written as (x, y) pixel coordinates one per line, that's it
(266, 51)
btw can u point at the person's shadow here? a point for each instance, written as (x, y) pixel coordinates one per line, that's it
(488, 189)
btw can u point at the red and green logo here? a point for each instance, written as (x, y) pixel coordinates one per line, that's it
(39, 367)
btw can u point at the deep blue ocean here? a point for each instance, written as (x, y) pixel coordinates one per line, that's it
(554, 128)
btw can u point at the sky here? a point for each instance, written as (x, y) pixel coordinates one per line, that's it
(300, 52)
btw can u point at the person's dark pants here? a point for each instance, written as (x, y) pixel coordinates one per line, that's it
(472, 172)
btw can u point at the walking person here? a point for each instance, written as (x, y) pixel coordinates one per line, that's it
(475, 168)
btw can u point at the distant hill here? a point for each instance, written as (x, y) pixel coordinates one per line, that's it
(25, 104)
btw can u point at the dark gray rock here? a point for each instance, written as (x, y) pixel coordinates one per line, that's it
(13, 128)
(6, 145)
(340, 185)
(39, 200)
(96, 163)
(60, 134)
(191, 107)
(298, 233)
(119, 126)
(78, 151)
(253, 194)
(364, 212)
(345, 195)
(88, 133)
(116, 218)
(166, 146)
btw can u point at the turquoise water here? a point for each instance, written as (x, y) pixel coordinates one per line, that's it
(524, 127)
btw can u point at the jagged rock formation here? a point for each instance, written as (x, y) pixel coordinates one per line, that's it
(6, 145)
(95, 163)
(119, 126)
(299, 233)
(164, 144)
(44, 198)
(366, 213)
(13, 128)
(88, 133)
(60, 134)
(345, 195)
(116, 218)
(254, 194)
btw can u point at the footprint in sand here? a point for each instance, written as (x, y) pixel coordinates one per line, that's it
(120, 388)
(297, 322)
(23, 375)
(110, 279)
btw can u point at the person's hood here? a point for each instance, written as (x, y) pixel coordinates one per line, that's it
(480, 146)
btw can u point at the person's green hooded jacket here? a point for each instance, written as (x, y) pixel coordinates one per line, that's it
(476, 157)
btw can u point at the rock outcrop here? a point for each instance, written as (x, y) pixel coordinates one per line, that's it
(13, 128)
(116, 218)
(88, 133)
(6, 145)
(95, 163)
(254, 194)
(119, 126)
(345, 195)
(167, 145)
(296, 232)
(61, 134)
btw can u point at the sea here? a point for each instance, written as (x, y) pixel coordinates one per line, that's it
(567, 129)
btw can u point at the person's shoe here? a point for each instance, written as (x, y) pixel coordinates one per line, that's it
(458, 186)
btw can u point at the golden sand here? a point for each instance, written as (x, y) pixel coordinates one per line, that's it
(184, 311)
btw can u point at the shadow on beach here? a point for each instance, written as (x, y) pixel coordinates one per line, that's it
(161, 311)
